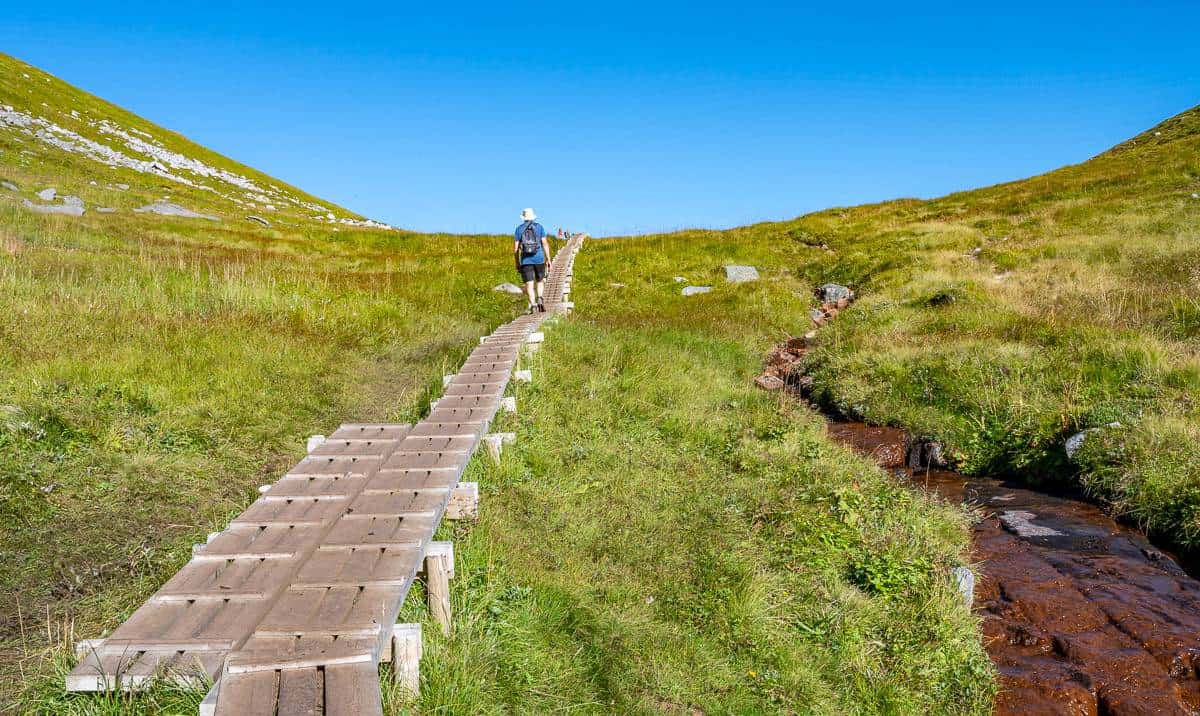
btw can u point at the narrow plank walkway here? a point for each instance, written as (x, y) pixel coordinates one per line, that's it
(292, 607)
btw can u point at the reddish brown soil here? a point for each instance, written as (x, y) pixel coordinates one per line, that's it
(1092, 620)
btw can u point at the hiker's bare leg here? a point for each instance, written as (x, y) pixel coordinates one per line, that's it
(540, 286)
(529, 291)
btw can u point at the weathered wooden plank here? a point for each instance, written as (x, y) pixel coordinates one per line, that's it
(250, 694)
(353, 690)
(301, 692)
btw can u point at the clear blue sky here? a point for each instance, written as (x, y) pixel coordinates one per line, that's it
(621, 117)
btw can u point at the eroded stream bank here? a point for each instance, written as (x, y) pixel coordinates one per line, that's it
(1081, 615)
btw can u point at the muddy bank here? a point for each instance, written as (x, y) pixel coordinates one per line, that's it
(1081, 614)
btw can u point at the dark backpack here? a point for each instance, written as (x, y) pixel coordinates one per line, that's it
(530, 243)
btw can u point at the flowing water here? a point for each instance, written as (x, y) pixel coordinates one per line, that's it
(1081, 615)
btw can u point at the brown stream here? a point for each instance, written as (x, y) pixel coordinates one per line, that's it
(1081, 615)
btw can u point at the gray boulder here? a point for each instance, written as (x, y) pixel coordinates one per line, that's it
(166, 208)
(834, 292)
(72, 201)
(63, 209)
(10, 186)
(680, 279)
(1020, 523)
(47, 194)
(693, 290)
(740, 274)
(106, 210)
(1076, 441)
(259, 220)
(964, 579)
(509, 288)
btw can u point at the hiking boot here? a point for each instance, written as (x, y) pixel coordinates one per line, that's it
(541, 306)
(532, 309)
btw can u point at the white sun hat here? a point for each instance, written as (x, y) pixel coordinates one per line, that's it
(528, 215)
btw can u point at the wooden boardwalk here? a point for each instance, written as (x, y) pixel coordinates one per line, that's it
(292, 607)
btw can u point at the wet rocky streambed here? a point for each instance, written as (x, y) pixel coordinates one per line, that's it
(1081, 615)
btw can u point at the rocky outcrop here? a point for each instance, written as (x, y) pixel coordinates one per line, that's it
(166, 208)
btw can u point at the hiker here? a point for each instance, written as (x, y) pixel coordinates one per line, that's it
(532, 254)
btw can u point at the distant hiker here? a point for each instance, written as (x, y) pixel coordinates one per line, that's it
(560, 233)
(532, 253)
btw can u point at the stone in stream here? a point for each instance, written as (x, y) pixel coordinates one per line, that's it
(834, 292)
(166, 208)
(1020, 523)
(62, 209)
(47, 194)
(964, 579)
(511, 289)
(693, 290)
(740, 274)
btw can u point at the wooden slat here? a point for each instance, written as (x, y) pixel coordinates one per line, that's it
(301, 692)
(252, 694)
(353, 690)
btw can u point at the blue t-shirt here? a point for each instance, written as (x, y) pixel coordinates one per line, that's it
(540, 256)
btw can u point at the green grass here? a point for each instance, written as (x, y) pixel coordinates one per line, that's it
(663, 537)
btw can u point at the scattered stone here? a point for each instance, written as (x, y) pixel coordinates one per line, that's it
(92, 183)
(769, 382)
(1196, 196)
(740, 274)
(1020, 523)
(122, 187)
(509, 288)
(166, 208)
(693, 290)
(47, 194)
(925, 453)
(72, 201)
(834, 292)
(965, 579)
(10, 186)
(680, 279)
(975, 252)
(47, 489)
(63, 209)
(1075, 442)
(810, 338)
(617, 285)
(106, 210)
(260, 220)
(817, 315)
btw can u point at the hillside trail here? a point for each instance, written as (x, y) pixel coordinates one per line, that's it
(1080, 614)
(291, 608)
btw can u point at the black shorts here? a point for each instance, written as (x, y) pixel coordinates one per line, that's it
(533, 272)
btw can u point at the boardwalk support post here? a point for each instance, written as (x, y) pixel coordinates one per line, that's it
(406, 657)
(464, 502)
(439, 568)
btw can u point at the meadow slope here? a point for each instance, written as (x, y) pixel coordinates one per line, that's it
(663, 537)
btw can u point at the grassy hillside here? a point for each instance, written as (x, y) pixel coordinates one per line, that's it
(662, 538)
(154, 370)
(1005, 320)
